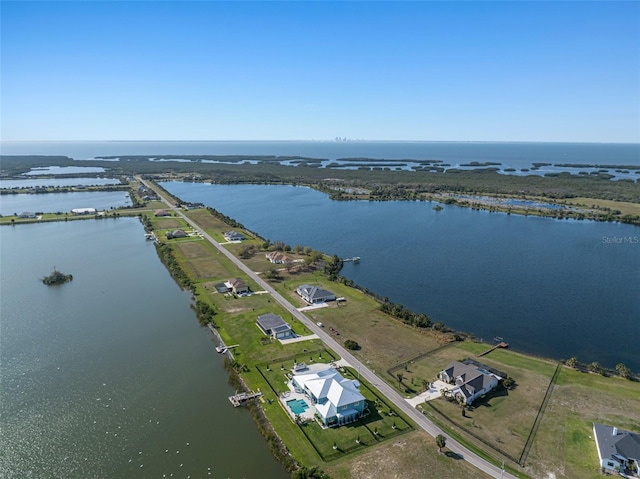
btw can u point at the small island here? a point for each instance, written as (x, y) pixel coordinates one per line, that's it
(56, 277)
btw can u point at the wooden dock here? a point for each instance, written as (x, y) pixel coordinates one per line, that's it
(497, 346)
(242, 398)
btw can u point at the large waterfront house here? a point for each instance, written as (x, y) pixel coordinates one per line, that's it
(314, 295)
(176, 234)
(337, 400)
(276, 257)
(274, 326)
(470, 380)
(233, 236)
(237, 286)
(618, 450)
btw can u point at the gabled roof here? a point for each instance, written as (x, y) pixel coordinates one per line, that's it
(613, 441)
(277, 256)
(312, 293)
(237, 283)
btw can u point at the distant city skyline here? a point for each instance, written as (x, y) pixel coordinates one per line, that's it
(320, 71)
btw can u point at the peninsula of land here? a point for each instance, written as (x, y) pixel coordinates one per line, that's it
(539, 424)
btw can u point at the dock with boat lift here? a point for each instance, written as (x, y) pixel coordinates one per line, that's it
(240, 399)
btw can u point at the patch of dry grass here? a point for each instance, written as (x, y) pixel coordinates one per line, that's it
(168, 223)
(413, 456)
(624, 207)
(207, 221)
(564, 445)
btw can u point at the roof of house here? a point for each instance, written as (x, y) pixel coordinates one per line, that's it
(330, 384)
(233, 235)
(479, 365)
(237, 283)
(473, 377)
(612, 441)
(272, 322)
(313, 292)
(275, 256)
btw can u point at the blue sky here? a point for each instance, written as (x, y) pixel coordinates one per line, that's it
(457, 71)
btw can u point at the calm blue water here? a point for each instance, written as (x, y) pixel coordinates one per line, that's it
(509, 154)
(63, 202)
(48, 182)
(111, 376)
(549, 287)
(64, 170)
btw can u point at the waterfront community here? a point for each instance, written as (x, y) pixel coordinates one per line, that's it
(334, 374)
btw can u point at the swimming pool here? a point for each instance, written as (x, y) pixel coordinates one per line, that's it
(297, 406)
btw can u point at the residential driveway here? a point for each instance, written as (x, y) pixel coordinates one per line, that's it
(432, 393)
(299, 338)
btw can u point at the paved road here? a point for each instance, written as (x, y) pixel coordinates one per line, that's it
(391, 394)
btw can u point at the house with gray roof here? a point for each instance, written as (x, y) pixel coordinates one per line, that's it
(314, 295)
(337, 400)
(471, 380)
(233, 236)
(274, 326)
(176, 234)
(618, 450)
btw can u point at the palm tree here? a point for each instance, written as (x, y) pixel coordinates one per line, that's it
(623, 371)
(572, 362)
(400, 377)
(441, 442)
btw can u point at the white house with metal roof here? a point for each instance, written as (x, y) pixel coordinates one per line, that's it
(337, 400)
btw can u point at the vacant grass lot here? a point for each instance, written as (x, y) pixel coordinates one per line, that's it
(169, 223)
(384, 341)
(624, 207)
(411, 456)
(564, 445)
(504, 419)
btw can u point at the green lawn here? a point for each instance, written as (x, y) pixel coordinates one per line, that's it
(564, 444)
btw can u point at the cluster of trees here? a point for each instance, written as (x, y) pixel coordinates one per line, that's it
(595, 367)
(332, 268)
(168, 258)
(418, 320)
(247, 251)
(204, 313)
(56, 278)
(351, 344)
